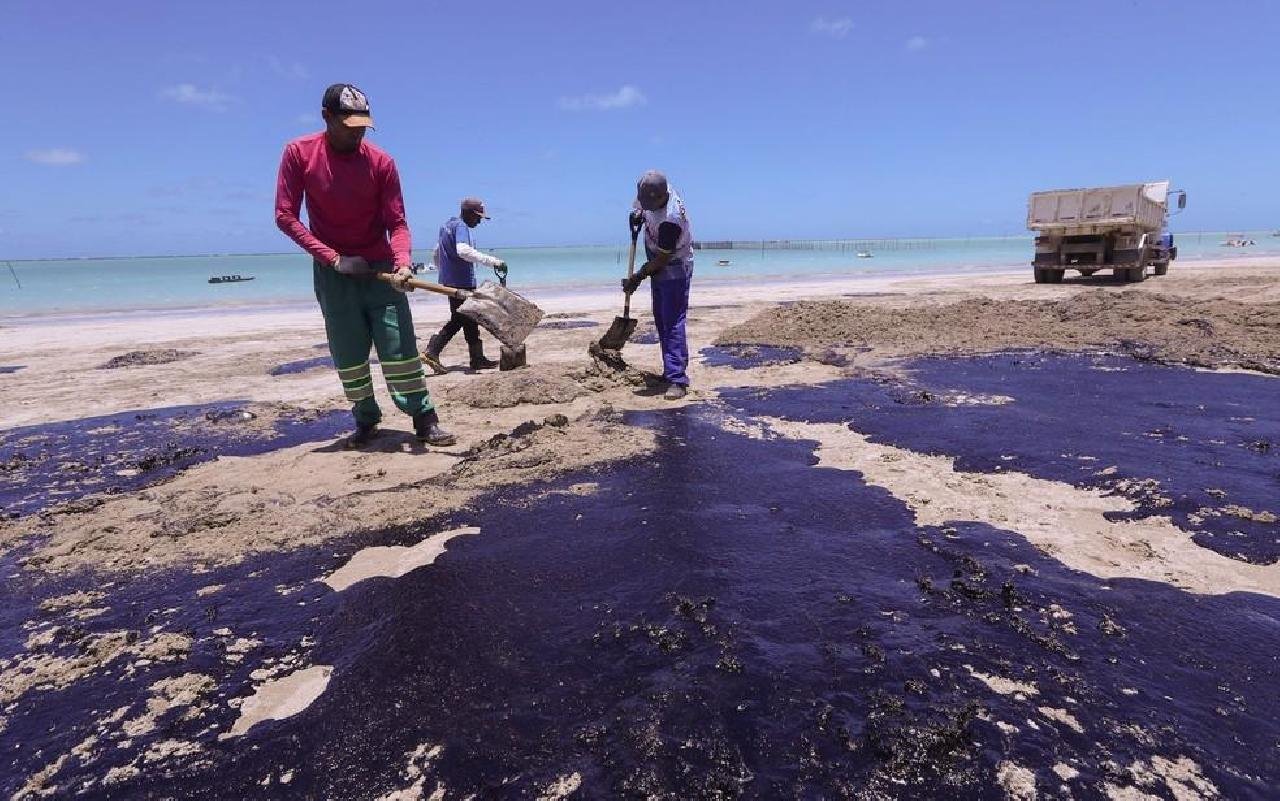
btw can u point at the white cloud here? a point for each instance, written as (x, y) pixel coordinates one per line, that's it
(290, 69)
(835, 28)
(191, 95)
(55, 156)
(917, 43)
(625, 97)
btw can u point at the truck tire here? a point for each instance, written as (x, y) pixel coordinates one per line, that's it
(1042, 276)
(1055, 276)
(1162, 267)
(1086, 273)
(1135, 275)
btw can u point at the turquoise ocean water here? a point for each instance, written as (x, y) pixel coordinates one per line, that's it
(127, 284)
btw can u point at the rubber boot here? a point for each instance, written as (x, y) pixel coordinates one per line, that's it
(363, 435)
(431, 356)
(426, 427)
(478, 360)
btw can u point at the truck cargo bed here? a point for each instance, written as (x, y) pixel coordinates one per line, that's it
(1139, 206)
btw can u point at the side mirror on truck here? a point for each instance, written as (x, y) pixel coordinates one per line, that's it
(1182, 200)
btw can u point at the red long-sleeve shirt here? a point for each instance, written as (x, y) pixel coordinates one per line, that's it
(353, 201)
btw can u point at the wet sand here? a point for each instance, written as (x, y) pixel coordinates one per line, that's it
(101, 575)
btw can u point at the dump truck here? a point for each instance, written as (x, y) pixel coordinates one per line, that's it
(1124, 229)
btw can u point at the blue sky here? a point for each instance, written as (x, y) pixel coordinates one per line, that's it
(156, 127)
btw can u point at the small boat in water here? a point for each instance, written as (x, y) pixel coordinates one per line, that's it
(864, 254)
(723, 262)
(230, 279)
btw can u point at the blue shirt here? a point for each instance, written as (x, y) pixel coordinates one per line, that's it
(454, 270)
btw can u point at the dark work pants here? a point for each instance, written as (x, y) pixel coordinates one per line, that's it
(470, 330)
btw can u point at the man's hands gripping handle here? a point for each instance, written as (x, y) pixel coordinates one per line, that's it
(359, 267)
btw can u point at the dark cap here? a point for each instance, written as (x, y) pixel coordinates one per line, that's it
(651, 186)
(475, 205)
(349, 103)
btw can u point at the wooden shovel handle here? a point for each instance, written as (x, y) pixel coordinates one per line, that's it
(631, 269)
(390, 278)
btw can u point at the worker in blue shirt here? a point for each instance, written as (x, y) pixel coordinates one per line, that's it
(455, 259)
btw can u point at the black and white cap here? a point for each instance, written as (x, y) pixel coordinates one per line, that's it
(349, 103)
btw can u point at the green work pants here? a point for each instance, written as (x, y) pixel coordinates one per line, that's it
(364, 312)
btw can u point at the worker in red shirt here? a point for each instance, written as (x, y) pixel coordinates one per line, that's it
(357, 226)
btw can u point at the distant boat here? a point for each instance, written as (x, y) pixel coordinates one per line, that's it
(723, 262)
(230, 279)
(864, 254)
(1238, 243)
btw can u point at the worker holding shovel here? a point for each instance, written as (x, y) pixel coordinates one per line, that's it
(456, 259)
(668, 247)
(357, 230)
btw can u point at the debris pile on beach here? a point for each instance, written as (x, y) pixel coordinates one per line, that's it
(535, 386)
(1207, 333)
(138, 358)
(607, 368)
(536, 451)
(532, 386)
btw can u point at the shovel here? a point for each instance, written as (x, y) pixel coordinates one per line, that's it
(623, 327)
(498, 310)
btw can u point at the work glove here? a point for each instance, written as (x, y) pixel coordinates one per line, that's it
(351, 265)
(403, 274)
(630, 285)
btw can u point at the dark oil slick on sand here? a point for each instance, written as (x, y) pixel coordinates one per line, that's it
(51, 463)
(726, 620)
(1178, 441)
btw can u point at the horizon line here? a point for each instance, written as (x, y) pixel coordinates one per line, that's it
(697, 243)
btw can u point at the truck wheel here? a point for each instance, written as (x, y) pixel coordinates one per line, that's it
(1042, 276)
(1135, 275)
(1087, 273)
(1055, 276)
(1162, 267)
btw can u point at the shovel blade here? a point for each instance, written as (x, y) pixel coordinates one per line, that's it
(618, 334)
(501, 312)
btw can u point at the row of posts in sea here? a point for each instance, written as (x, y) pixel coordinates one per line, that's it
(852, 245)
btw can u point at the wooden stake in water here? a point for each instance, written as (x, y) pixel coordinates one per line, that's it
(14, 274)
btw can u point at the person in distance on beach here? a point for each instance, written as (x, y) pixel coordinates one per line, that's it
(668, 247)
(357, 228)
(455, 260)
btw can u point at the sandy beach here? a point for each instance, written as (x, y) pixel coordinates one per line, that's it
(91, 573)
